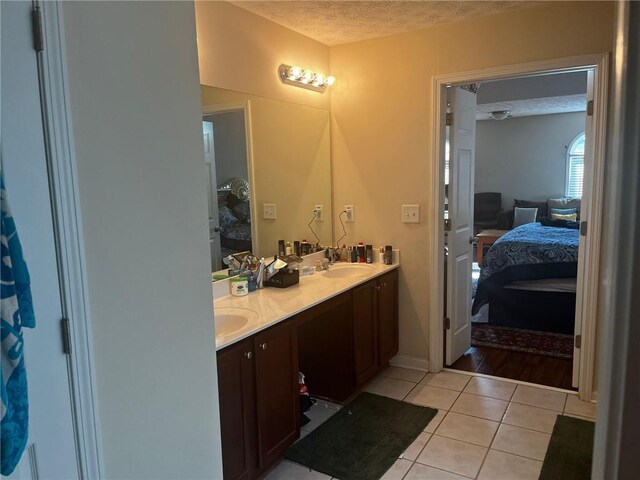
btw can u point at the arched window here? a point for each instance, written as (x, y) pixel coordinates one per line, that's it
(575, 167)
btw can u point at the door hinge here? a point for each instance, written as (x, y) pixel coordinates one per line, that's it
(449, 119)
(447, 323)
(578, 341)
(447, 225)
(66, 335)
(590, 108)
(583, 228)
(36, 26)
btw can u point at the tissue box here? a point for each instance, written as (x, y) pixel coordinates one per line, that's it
(283, 279)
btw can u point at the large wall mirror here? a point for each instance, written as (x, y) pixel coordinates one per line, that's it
(261, 151)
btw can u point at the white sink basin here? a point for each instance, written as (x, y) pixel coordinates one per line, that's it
(230, 320)
(348, 271)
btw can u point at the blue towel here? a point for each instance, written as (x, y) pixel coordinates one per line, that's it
(16, 312)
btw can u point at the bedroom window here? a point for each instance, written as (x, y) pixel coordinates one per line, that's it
(575, 167)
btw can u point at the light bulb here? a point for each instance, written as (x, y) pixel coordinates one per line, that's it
(330, 80)
(294, 73)
(319, 81)
(307, 76)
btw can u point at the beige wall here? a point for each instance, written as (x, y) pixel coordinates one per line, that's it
(381, 129)
(291, 167)
(241, 51)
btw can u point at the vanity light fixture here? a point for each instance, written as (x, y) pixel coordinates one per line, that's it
(299, 77)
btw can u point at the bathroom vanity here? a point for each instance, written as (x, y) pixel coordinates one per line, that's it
(338, 327)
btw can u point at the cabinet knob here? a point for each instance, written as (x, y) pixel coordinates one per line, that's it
(263, 346)
(248, 355)
(377, 287)
(384, 284)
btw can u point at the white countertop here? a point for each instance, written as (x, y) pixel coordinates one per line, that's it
(274, 305)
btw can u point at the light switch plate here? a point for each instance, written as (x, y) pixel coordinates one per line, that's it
(410, 213)
(269, 211)
(319, 211)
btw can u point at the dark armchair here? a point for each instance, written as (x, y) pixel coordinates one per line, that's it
(485, 210)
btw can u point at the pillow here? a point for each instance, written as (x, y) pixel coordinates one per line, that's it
(225, 217)
(242, 211)
(522, 216)
(541, 206)
(563, 211)
(564, 202)
(547, 222)
(570, 217)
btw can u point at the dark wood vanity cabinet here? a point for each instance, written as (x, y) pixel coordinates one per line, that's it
(236, 385)
(375, 325)
(338, 344)
(365, 331)
(387, 315)
(259, 419)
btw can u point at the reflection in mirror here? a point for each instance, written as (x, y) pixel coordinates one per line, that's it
(228, 191)
(287, 156)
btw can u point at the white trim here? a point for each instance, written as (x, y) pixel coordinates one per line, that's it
(69, 237)
(436, 255)
(246, 108)
(413, 363)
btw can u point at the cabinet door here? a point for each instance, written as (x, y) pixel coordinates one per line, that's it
(276, 391)
(325, 342)
(387, 317)
(237, 410)
(365, 345)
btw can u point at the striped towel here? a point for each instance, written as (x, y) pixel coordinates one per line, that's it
(16, 312)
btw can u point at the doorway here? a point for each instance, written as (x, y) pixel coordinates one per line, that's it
(228, 192)
(457, 232)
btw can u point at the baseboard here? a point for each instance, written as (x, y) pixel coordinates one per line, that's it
(415, 363)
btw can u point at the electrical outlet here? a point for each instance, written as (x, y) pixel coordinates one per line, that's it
(410, 213)
(269, 211)
(319, 211)
(350, 216)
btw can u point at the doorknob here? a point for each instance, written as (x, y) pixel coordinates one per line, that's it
(216, 229)
(470, 240)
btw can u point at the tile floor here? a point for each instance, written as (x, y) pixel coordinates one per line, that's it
(485, 428)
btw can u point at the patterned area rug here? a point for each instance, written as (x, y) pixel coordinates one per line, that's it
(542, 343)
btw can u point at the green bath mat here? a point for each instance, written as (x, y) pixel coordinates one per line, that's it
(570, 450)
(362, 440)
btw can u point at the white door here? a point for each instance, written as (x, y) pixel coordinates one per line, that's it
(51, 451)
(212, 196)
(459, 238)
(581, 281)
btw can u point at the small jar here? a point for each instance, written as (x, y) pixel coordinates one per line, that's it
(239, 286)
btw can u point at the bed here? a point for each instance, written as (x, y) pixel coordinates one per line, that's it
(234, 216)
(528, 278)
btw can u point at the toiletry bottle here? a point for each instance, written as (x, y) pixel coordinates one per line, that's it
(369, 253)
(296, 248)
(388, 255)
(304, 246)
(361, 253)
(344, 254)
(380, 257)
(288, 249)
(281, 248)
(354, 254)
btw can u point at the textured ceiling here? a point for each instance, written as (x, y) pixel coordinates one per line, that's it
(338, 22)
(535, 106)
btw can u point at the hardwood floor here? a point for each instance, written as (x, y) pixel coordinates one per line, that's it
(526, 367)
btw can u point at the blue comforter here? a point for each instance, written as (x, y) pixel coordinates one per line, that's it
(528, 252)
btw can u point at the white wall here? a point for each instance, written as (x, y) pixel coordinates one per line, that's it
(230, 143)
(525, 157)
(135, 101)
